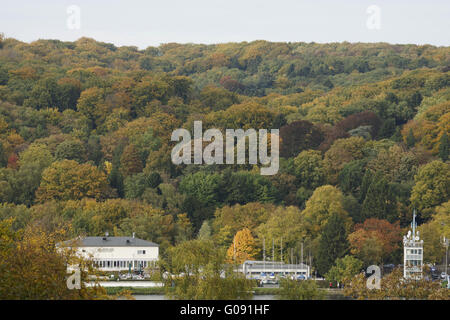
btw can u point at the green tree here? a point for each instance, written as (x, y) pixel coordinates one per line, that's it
(433, 250)
(325, 202)
(410, 139)
(205, 231)
(431, 188)
(299, 290)
(184, 228)
(115, 180)
(71, 150)
(351, 176)
(380, 201)
(130, 161)
(195, 268)
(309, 169)
(135, 185)
(444, 146)
(19, 186)
(92, 105)
(341, 152)
(333, 243)
(202, 186)
(3, 158)
(154, 179)
(344, 269)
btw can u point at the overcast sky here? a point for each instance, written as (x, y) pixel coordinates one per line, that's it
(149, 23)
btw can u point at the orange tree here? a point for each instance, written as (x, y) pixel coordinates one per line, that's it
(243, 247)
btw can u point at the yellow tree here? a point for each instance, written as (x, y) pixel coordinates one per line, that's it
(394, 287)
(243, 247)
(69, 180)
(324, 202)
(33, 268)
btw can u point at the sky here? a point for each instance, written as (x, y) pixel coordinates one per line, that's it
(149, 23)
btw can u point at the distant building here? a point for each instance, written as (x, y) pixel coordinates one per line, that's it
(116, 253)
(258, 269)
(412, 253)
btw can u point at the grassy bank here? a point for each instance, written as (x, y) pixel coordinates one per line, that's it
(135, 290)
(332, 294)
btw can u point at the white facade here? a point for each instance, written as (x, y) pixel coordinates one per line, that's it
(121, 258)
(258, 269)
(412, 253)
(117, 253)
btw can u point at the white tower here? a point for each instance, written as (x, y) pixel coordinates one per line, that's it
(412, 253)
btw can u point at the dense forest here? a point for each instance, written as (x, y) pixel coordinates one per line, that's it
(85, 131)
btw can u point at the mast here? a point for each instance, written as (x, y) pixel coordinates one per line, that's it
(264, 254)
(273, 252)
(310, 263)
(301, 261)
(281, 258)
(234, 250)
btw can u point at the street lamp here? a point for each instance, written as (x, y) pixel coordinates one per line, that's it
(445, 242)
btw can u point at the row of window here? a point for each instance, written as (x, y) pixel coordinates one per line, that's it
(413, 251)
(111, 250)
(413, 263)
(123, 264)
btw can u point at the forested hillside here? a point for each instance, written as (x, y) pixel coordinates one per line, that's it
(85, 144)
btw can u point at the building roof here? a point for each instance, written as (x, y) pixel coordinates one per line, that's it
(110, 242)
(275, 264)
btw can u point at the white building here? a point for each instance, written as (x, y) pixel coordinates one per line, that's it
(117, 253)
(412, 253)
(259, 269)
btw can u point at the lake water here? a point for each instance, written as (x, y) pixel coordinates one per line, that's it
(162, 297)
(255, 297)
